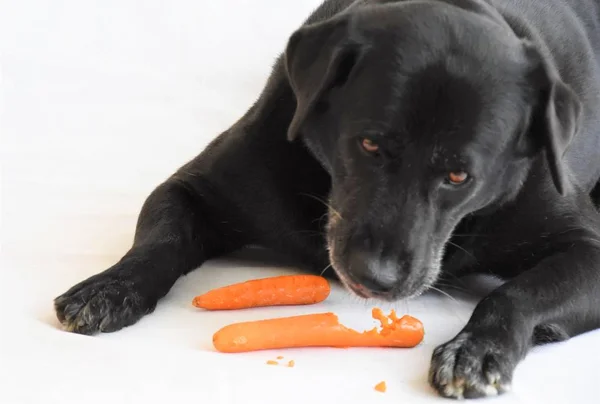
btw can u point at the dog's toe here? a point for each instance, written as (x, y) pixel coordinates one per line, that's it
(468, 367)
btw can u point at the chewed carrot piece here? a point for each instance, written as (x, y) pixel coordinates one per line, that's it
(317, 330)
(272, 363)
(381, 387)
(291, 364)
(274, 291)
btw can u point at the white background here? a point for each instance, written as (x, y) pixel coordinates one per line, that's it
(101, 101)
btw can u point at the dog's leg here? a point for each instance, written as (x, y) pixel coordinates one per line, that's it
(554, 301)
(249, 186)
(177, 231)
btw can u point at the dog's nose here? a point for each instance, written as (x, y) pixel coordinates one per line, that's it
(372, 273)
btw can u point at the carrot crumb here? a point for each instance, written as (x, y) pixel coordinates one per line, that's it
(381, 387)
(272, 363)
(280, 357)
(291, 364)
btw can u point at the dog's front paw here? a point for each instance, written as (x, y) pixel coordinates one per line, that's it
(470, 367)
(105, 302)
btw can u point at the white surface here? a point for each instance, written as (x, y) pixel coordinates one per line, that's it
(100, 102)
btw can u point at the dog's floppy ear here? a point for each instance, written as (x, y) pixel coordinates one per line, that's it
(318, 58)
(556, 116)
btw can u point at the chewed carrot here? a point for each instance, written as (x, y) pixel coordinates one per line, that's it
(381, 387)
(317, 330)
(274, 291)
(291, 364)
(272, 363)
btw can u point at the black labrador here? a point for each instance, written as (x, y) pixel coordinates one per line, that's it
(403, 142)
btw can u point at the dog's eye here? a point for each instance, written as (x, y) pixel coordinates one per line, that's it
(369, 146)
(457, 177)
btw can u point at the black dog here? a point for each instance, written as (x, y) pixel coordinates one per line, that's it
(434, 138)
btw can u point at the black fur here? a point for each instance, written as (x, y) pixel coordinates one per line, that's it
(506, 91)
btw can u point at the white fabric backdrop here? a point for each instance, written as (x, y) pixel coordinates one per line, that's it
(100, 102)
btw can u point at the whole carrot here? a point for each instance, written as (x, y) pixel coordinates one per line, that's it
(317, 330)
(274, 291)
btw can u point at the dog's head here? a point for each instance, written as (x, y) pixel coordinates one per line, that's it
(423, 113)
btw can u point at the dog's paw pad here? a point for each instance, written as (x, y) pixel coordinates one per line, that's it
(468, 367)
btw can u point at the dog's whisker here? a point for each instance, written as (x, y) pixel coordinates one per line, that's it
(313, 232)
(455, 287)
(452, 299)
(320, 218)
(446, 274)
(456, 282)
(325, 269)
(443, 293)
(463, 249)
(327, 204)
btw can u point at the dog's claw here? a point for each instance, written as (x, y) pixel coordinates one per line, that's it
(468, 367)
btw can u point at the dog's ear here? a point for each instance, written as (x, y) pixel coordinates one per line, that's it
(318, 58)
(556, 115)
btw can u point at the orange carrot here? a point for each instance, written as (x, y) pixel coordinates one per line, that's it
(274, 291)
(317, 330)
(280, 357)
(291, 364)
(381, 387)
(272, 363)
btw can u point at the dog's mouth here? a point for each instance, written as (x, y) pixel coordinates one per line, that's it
(360, 290)
(411, 287)
(395, 294)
